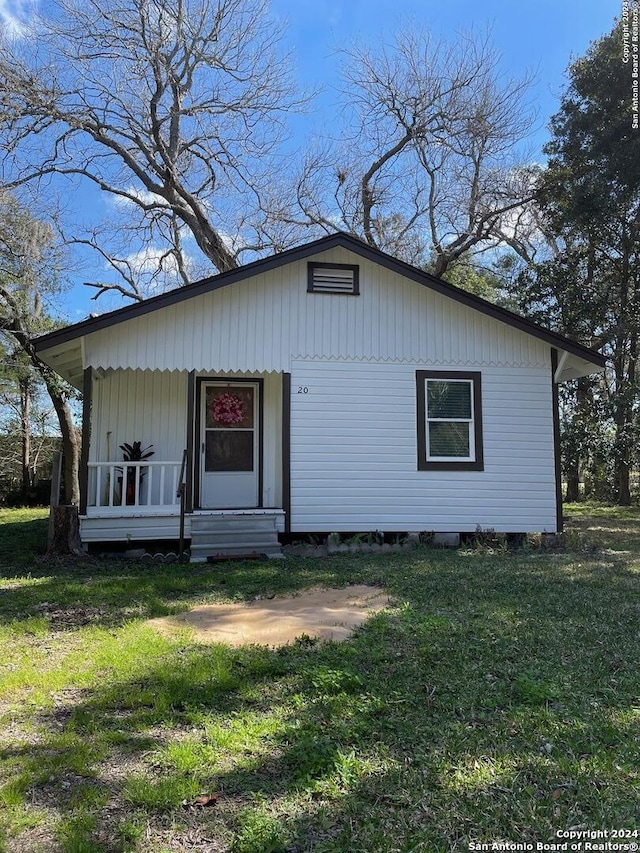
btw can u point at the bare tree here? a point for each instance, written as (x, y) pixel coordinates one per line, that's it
(425, 168)
(172, 107)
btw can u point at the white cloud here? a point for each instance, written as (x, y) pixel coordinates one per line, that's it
(16, 17)
(154, 269)
(142, 195)
(150, 259)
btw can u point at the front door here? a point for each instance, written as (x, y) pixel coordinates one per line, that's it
(229, 446)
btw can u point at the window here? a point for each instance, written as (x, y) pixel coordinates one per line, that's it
(449, 420)
(342, 279)
(229, 428)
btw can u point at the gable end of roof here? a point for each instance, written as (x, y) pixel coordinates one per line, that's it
(339, 239)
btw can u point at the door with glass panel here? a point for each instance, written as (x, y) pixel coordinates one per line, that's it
(229, 445)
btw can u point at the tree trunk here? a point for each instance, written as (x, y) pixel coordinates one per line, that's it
(624, 488)
(25, 428)
(625, 369)
(622, 467)
(64, 532)
(573, 484)
(70, 444)
(622, 445)
(70, 449)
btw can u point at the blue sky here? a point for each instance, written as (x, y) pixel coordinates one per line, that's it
(539, 37)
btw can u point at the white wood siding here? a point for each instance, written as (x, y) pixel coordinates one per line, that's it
(261, 323)
(354, 453)
(151, 406)
(134, 405)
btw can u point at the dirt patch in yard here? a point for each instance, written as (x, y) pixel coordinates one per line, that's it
(327, 614)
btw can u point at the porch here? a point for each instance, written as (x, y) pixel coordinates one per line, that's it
(232, 474)
(133, 502)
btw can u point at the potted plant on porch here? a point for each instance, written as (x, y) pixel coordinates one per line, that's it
(134, 453)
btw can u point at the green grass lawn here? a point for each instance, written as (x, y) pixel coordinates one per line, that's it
(497, 700)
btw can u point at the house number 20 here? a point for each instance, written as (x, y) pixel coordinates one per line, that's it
(302, 389)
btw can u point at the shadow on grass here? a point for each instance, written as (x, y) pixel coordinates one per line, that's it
(23, 541)
(497, 701)
(69, 593)
(74, 592)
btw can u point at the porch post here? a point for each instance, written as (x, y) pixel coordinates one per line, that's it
(83, 474)
(286, 450)
(191, 397)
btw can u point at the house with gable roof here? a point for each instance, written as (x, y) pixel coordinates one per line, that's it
(329, 388)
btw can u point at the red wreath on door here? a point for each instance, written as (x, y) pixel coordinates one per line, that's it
(228, 409)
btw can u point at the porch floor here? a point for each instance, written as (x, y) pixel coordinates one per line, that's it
(125, 512)
(213, 532)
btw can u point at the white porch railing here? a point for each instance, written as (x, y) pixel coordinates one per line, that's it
(134, 485)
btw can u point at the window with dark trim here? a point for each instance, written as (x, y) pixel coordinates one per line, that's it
(449, 424)
(338, 279)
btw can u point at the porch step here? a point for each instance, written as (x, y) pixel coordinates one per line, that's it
(233, 535)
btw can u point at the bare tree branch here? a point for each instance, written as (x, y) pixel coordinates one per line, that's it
(172, 107)
(428, 149)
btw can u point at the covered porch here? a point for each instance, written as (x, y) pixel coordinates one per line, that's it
(230, 467)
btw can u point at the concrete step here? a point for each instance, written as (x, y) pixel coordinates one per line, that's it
(200, 552)
(250, 539)
(233, 535)
(225, 524)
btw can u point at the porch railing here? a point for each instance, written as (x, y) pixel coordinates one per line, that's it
(134, 485)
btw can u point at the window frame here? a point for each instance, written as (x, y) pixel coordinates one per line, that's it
(314, 265)
(448, 463)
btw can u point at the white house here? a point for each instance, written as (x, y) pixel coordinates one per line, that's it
(327, 388)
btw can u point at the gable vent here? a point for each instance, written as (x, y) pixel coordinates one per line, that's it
(333, 278)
